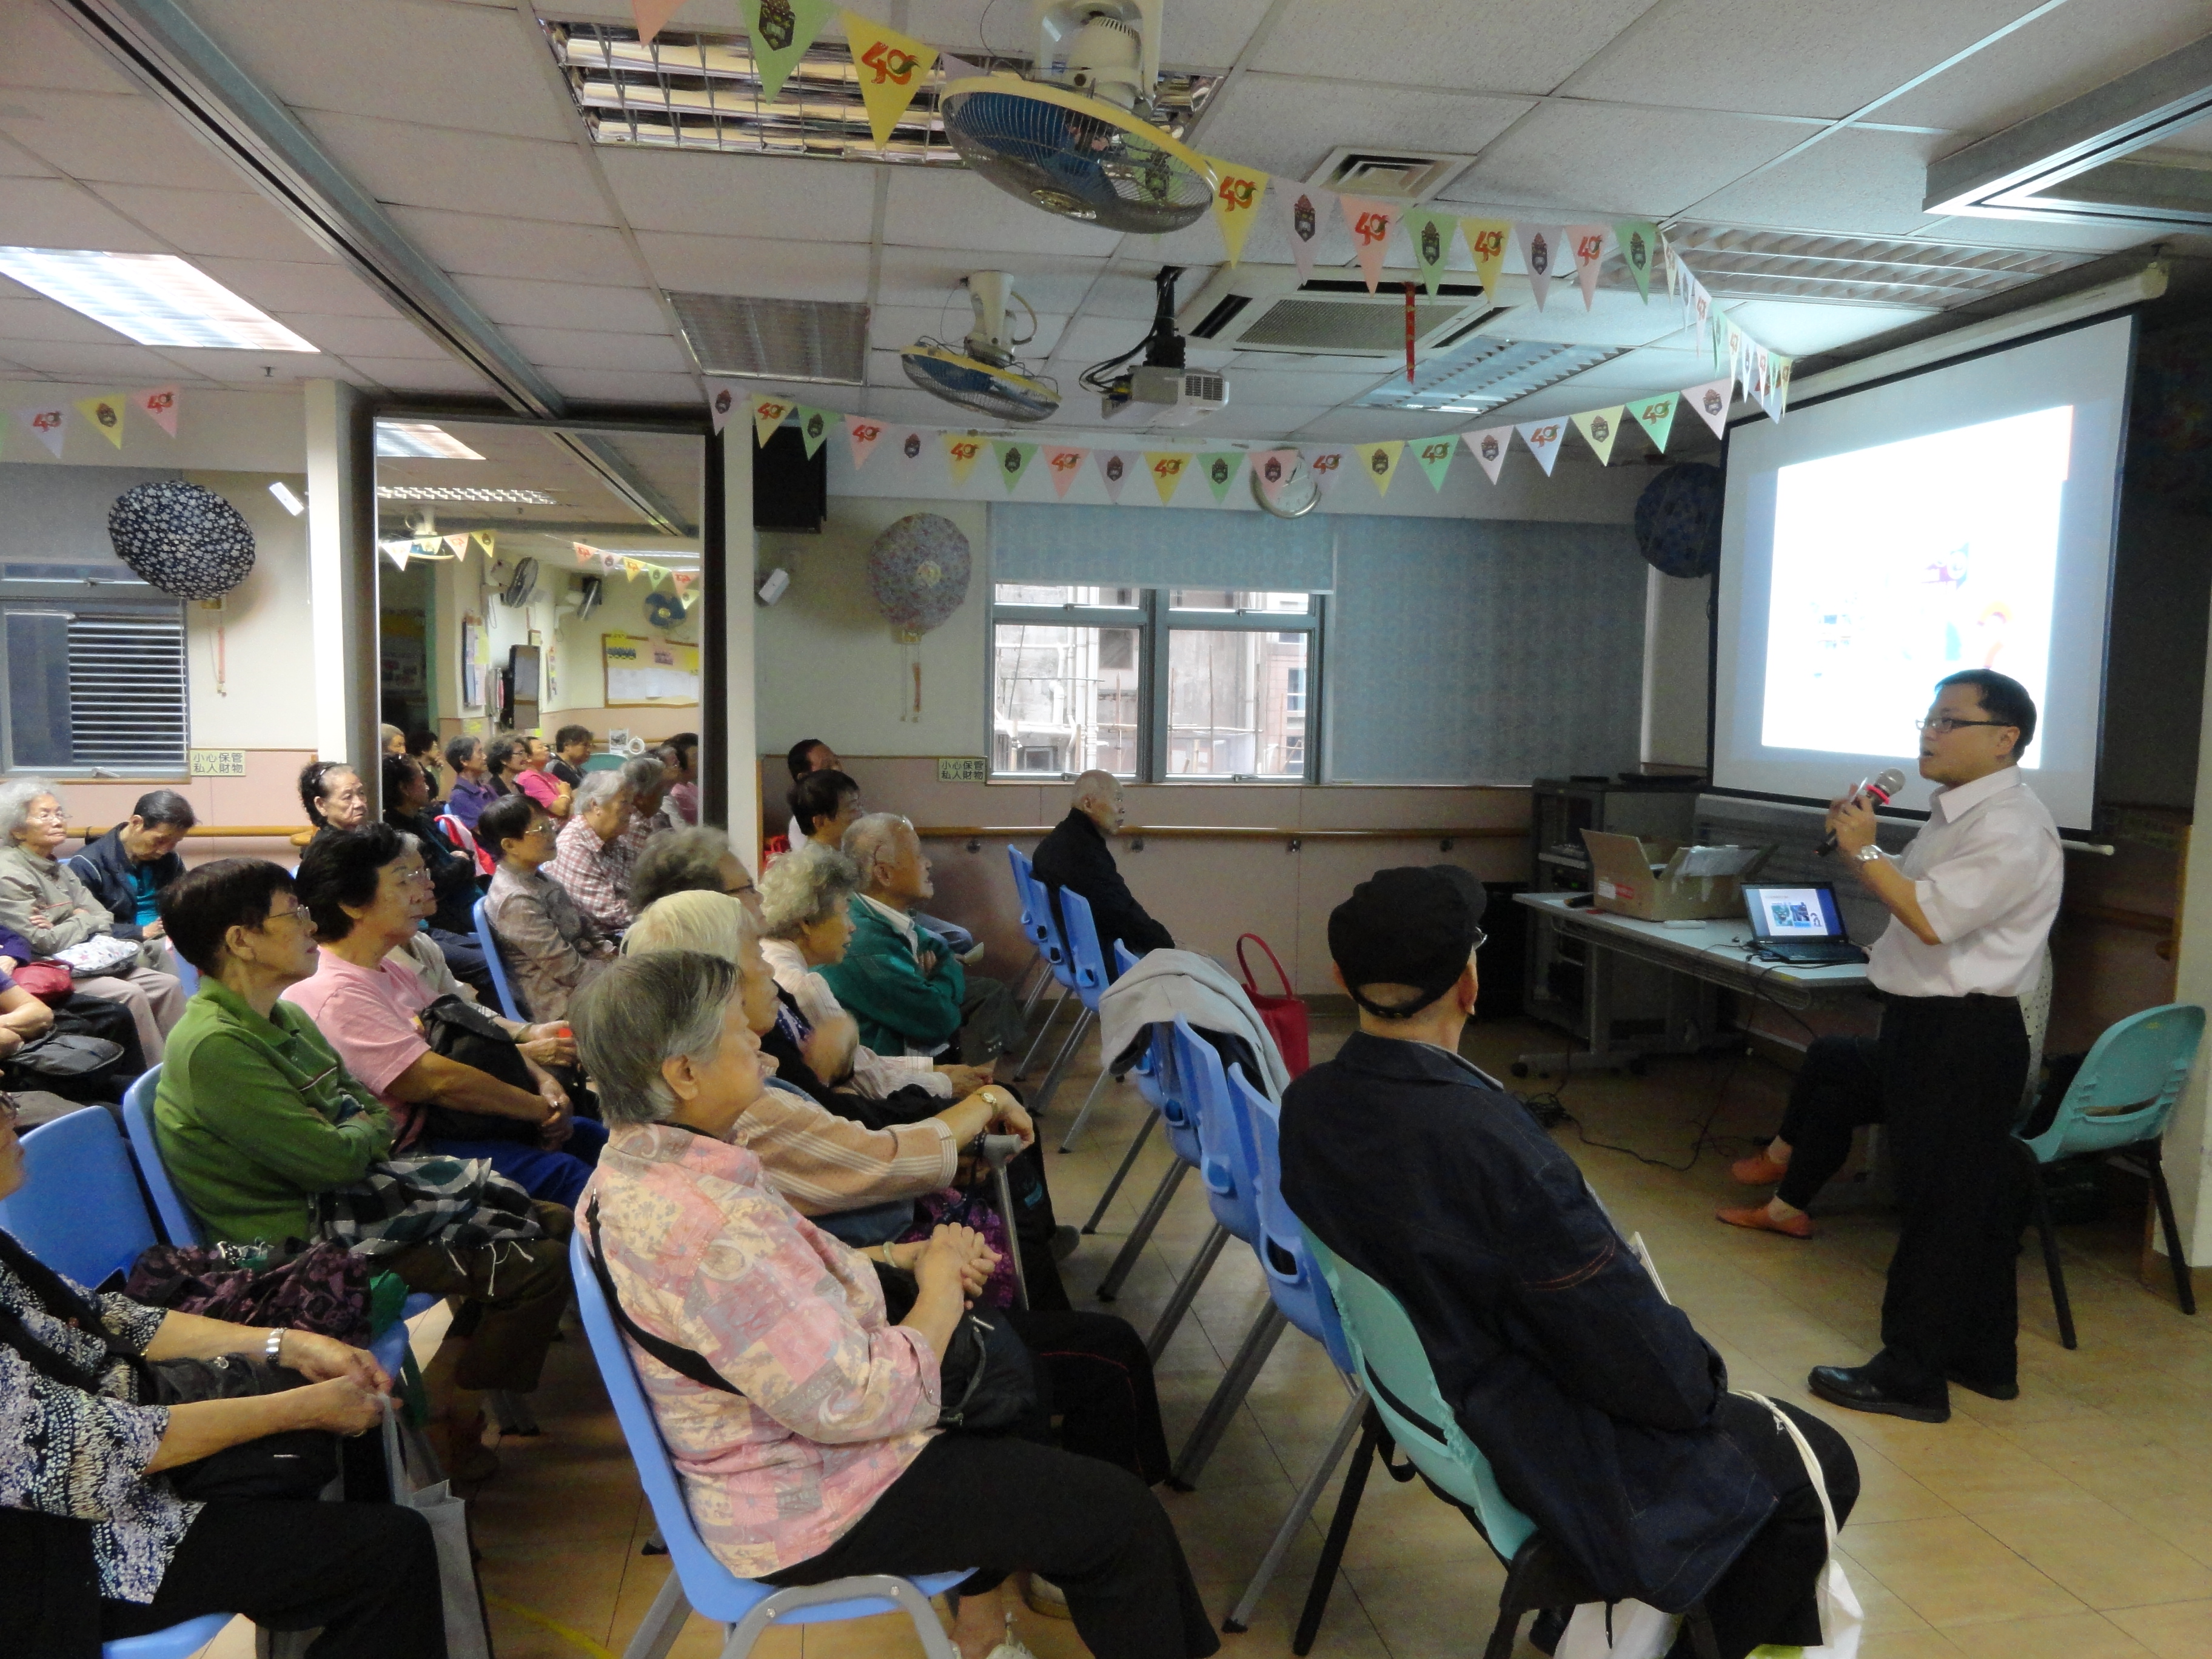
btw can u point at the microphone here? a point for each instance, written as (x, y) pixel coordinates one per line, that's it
(1882, 787)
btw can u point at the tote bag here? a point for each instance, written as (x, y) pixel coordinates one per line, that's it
(467, 1634)
(1284, 1016)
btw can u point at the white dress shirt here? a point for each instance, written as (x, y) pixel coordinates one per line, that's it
(1987, 871)
(876, 1076)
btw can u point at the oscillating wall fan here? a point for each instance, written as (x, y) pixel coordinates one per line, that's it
(1078, 138)
(984, 375)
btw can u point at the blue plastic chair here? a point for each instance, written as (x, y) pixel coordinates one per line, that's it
(2120, 1100)
(1024, 896)
(1086, 964)
(177, 1642)
(1039, 923)
(696, 1581)
(1178, 1116)
(187, 976)
(80, 1210)
(508, 1003)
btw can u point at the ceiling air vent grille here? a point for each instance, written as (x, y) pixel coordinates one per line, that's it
(1747, 264)
(817, 341)
(1345, 326)
(1393, 175)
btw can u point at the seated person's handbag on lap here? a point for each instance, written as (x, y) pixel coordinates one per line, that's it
(99, 955)
(461, 1030)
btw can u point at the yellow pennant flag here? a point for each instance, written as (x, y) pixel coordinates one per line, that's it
(1237, 192)
(768, 415)
(484, 539)
(1380, 462)
(1167, 472)
(1600, 427)
(1486, 240)
(960, 450)
(106, 414)
(892, 68)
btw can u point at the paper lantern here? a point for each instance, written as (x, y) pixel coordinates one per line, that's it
(184, 540)
(918, 572)
(1678, 521)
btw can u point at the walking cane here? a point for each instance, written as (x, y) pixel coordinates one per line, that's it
(998, 1151)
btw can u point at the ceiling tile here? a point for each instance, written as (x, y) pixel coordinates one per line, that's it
(364, 336)
(422, 374)
(1291, 385)
(902, 403)
(480, 245)
(566, 305)
(196, 221)
(1127, 291)
(114, 139)
(952, 208)
(1288, 126)
(788, 198)
(1973, 230)
(260, 365)
(619, 385)
(1088, 339)
(25, 315)
(326, 289)
(1867, 183)
(471, 172)
(16, 162)
(1618, 318)
(1252, 420)
(929, 279)
(1378, 426)
(1197, 34)
(885, 369)
(757, 267)
(55, 213)
(93, 362)
(1496, 45)
(1598, 158)
(1799, 327)
(1276, 362)
(40, 47)
(563, 348)
(1210, 34)
(1653, 369)
(895, 327)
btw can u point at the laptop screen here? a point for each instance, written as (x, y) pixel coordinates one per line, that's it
(1783, 913)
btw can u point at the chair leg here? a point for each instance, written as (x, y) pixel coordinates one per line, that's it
(1228, 1394)
(1186, 1292)
(1302, 1507)
(1067, 1144)
(911, 1602)
(1037, 1041)
(1128, 1162)
(1062, 1061)
(663, 1621)
(2040, 1205)
(1110, 1287)
(2183, 1290)
(1038, 974)
(1340, 1534)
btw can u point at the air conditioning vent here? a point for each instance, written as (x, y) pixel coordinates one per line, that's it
(1393, 175)
(1752, 264)
(1336, 326)
(820, 342)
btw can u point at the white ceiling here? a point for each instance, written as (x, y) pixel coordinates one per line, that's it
(1792, 117)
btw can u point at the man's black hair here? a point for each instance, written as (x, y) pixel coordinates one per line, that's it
(798, 760)
(341, 868)
(164, 807)
(569, 734)
(399, 772)
(2004, 698)
(201, 906)
(819, 796)
(422, 742)
(506, 819)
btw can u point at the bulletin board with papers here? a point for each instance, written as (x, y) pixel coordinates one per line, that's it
(649, 674)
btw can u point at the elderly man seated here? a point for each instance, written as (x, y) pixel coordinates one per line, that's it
(127, 868)
(1606, 1417)
(1075, 856)
(593, 859)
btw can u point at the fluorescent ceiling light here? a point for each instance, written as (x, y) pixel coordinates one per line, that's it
(452, 493)
(291, 503)
(156, 299)
(421, 441)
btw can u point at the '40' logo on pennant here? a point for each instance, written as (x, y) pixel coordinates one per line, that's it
(1488, 245)
(1328, 463)
(966, 450)
(1066, 460)
(1588, 246)
(46, 420)
(1168, 466)
(1544, 435)
(1371, 227)
(889, 62)
(1439, 451)
(1236, 193)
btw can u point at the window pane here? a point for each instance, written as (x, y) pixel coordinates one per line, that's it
(1119, 599)
(1236, 704)
(1064, 699)
(1216, 598)
(97, 689)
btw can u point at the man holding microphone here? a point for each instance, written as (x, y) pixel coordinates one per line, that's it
(1970, 903)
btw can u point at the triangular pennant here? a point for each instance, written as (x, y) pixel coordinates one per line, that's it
(1238, 193)
(768, 415)
(1435, 456)
(106, 414)
(1380, 463)
(1602, 428)
(1303, 210)
(49, 425)
(1486, 240)
(457, 544)
(487, 540)
(1063, 465)
(632, 570)
(1656, 417)
(1167, 468)
(1781, 366)
(1738, 368)
(1586, 244)
(780, 32)
(610, 562)
(1543, 255)
(1432, 232)
(1274, 468)
(584, 554)
(719, 402)
(814, 427)
(1219, 470)
(398, 550)
(1542, 438)
(957, 68)
(1114, 466)
(683, 579)
(961, 449)
(161, 403)
(1489, 445)
(1370, 223)
(862, 434)
(909, 447)
(1327, 466)
(1639, 242)
(1013, 461)
(892, 68)
(1711, 401)
(651, 16)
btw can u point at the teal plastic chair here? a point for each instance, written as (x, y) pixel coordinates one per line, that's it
(2120, 1101)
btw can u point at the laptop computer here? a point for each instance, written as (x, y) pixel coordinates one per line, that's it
(1799, 925)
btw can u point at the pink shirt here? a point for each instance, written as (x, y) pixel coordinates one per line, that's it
(541, 786)
(369, 1015)
(683, 800)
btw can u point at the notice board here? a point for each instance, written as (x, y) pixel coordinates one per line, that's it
(649, 674)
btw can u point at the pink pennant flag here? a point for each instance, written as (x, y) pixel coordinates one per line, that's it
(863, 433)
(1543, 254)
(1064, 465)
(1327, 466)
(161, 403)
(49, 425)
(1489, 446)
(1114, 466)
(1370, 223)
(1586, 242)
(1711, 401)
(457, 544)
(1543, 438)
(612, 562)
(719, 403)
(1274, 468)
(651, 16)
(1304, 210)
(683, 579)
(909, 448)
(584, 555)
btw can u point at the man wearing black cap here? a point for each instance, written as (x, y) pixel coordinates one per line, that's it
(1606, 1418)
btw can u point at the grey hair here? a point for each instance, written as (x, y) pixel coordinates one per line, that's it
(15, 798)
(643, 775)
(869, 838)
(641, 1010)
(597, 787)
(713, 923)
(681, 861)
(804, 887)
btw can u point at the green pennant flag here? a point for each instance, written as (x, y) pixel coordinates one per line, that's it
(1639, 242)
(1432, 234)
(780, 32)
(1013, 461)
(1435, 455)
(814, 425)
(1220, 468)
(1656, 417)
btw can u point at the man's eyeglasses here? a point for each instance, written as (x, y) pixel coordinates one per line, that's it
(1481, 938)
(1943, 725)
(297, 913)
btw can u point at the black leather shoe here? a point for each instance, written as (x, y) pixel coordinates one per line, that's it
(1547, 1627)
(1989, 1390)
(1851, 1386)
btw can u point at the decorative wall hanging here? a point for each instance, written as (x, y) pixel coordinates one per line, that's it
(918, 573)
(186, 540)
(1678, 521)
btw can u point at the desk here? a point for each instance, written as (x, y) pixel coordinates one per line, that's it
(1704, 956)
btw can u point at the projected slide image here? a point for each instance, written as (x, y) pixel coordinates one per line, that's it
(1793, 912)
(1897, 565)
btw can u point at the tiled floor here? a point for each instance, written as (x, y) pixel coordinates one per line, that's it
(2077, 1520)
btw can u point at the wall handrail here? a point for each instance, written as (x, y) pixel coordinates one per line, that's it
(1236, 832)
(234, 831)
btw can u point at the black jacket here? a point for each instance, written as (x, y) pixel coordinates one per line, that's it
(1075, 854)
(105, 867)
(452, 875)
(1593, 1398)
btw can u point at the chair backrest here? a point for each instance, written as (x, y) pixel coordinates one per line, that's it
(509, 1005)
(1085, 956)
(1050, 938)
(178, 1221)
(187, 976)
(1225, 1163)
(2127, 1086)
(1396, 1371)
(80, 1210)
(1294, 1280)
(1025, 894)
(177, 1642)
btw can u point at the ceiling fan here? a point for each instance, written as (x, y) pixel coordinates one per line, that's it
(984, 375)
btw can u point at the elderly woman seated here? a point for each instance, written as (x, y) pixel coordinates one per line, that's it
(333, 797)
(648, 818)
(551, 952)
(454, 890)
(49, 905)
(690, 861)
(95, 1542)
(825, 1456)
(366, 891)
(594, 859)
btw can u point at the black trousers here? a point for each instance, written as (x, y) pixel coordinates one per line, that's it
(366, 1573)
(1094, 1374)
(999, 1504)
(1838, 1088)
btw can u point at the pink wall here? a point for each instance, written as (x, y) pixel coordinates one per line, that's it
(267, 796)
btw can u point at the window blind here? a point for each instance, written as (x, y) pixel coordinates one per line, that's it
(127, 701)
(1141, 547)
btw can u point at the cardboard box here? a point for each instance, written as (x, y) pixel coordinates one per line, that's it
(1665, 881)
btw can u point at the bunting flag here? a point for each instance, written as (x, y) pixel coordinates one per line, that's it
(719, 403)
(106, 414)
(1274, 468)
(957, 68)
(814, 427)
(683, 579)
(1542, 438)
(1013, 461)
(632, 570)
(1435, 456)
(891, 67)
(961, 449)
(1711, 401)
(651, 16)
(1327, 466)
(1602, 427)
(1166, 470)
(610, 562)
(779, 33)
(48, 426)
(397, 550)
(457, 545)
(584, 552)
(1432, 232)
(768, 415)
(1114, 466)
(909, 448)
(1380, 463)
(1370, 223)
(1489, 446)
(1063, 465)
(1656, 417)
(1541, 252)
(1738, 369)
(1486, 240)
(160, 403)
(1237, 198)
(1219, 470)
(1639, 242)
(484, 539)
(1588, 243)
(1303, 210)
(862, 434)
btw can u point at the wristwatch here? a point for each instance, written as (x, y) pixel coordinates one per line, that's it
(1868, 853)
(274, 1346)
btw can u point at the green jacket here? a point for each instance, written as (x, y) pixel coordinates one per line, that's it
(884, 988)
(254, 1117)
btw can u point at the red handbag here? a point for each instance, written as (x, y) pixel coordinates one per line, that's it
(1284, 1016)
(50, 982)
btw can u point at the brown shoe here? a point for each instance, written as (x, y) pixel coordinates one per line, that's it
(1757, 1218)
(1758, 1170)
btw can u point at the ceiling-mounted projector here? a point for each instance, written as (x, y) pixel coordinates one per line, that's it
(1079, 137)
(984, 375)
(1161, 390)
